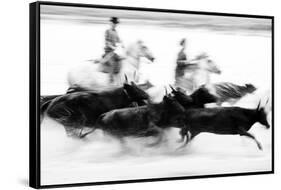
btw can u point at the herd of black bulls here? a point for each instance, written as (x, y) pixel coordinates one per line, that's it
(128, 111)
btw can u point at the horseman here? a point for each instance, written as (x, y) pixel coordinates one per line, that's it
(111, 61)
(181, 68)
(181, 59)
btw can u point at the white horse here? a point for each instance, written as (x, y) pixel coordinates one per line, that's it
(91, 76)
(197, 73)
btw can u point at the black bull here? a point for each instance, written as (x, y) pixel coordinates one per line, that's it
(222, 120)
(196, 100)
(81, 109)
(144, 121)
(45, 100)
(76, 110)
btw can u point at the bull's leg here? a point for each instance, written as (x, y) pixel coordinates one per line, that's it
(183, 134)
(243, 132)
(189, 136)
(70, 131)
(159, 138)
(83, 123)
(87, 133)
(111, 78)
(41, 117)
(155, 131)
(219, 103)
(81, 130)
(134, 104)
(124, 147)
(184, 142)
(193, 134)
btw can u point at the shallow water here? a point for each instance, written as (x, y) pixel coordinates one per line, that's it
(102, 158)
(243, 56)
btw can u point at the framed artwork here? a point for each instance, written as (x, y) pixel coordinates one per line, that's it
(127, 94)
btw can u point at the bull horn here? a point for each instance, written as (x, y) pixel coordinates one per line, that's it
(267, 101)
(126, 79)
(135, 75)
(166, 92)
(172, 88)
(258, 106)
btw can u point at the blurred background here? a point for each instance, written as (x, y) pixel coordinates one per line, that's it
(241, 47)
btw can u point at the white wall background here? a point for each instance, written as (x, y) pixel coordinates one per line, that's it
(14, 93)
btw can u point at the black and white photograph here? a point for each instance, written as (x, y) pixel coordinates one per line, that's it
(137, 94)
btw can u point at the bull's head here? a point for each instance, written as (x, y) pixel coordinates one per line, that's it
(175, 111)
(181, 97)
(135, 93)
(203, 96)
(261, 115)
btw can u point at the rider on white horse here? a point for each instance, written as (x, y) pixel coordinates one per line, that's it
(181, 60)
(111, 58)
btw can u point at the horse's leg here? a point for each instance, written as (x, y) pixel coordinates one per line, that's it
(106, 57)
(181, 139)
(243, 132)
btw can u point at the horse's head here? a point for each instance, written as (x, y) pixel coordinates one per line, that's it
(212, 67)
(181, 97)
(146, 85)
(251, 88)
(145, 52)
(139, 49)
(134, 92)
(204, 62)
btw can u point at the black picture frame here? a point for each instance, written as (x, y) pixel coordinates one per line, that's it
(34, 82)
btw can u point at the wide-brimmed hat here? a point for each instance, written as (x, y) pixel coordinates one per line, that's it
(114, 20)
